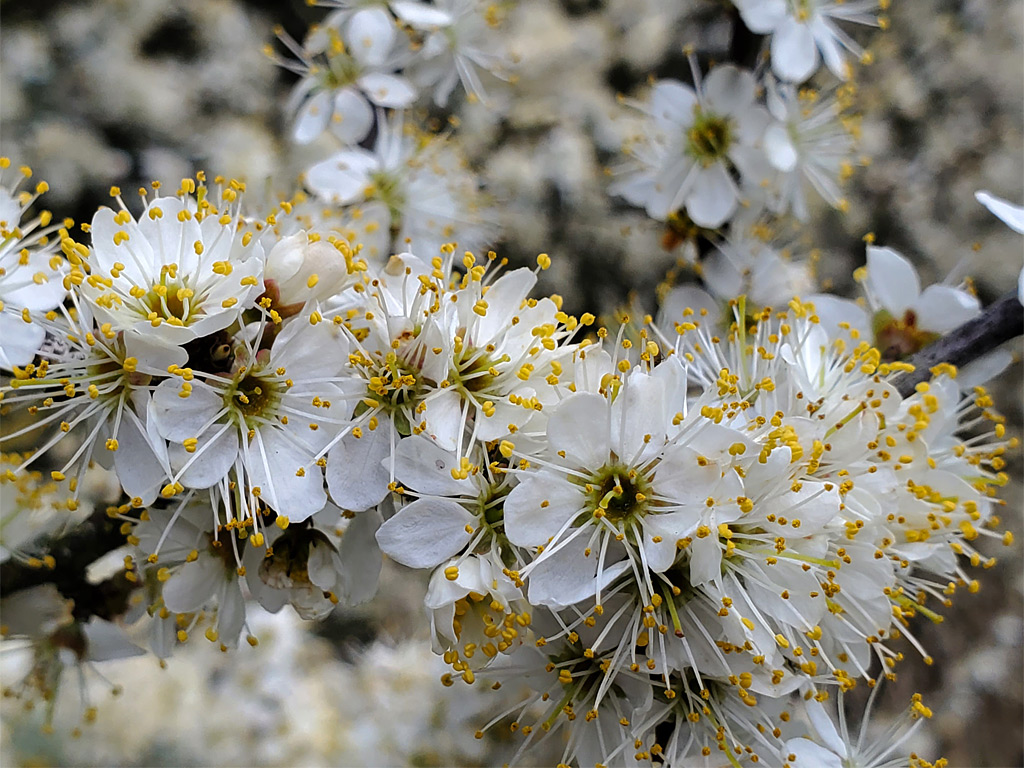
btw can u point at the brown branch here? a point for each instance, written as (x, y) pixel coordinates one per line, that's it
(999, 322)
(72, 555)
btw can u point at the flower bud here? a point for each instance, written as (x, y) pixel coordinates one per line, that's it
(298, 269)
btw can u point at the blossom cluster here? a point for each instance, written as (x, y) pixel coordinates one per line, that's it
(660, 531)
(690, 535)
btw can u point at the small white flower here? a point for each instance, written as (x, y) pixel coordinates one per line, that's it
(31, 272)
(805, 31)
(459, 38)
(901, 317)
(88, 385)
(695, 139)
(348, 68)
(261, 426)
(808, 142)
(617, 489)
(418, 193)
(180, 272)
(476, 615)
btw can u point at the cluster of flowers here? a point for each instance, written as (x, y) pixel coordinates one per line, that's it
(667, 533)
(728, 163)
(361, 71)
(689, 535)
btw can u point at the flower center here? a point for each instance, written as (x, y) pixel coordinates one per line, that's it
(618, 493)
(173, 302)
(387, 188)
(395, 386)
(254, 397)
(475, 370)
(710, 137)
(898, 338)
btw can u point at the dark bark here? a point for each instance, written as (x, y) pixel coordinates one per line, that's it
(999, 322)
(73, 554)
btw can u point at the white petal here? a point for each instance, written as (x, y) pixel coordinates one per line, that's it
(713, 198)
(179, 418)
(729, 90)
(778, 146)
(824, 727)
(670, 528)
(139, 471)
(443, 415)
(313, 118)
(569, 576)
(1012, 215)
(539, 506)
(983, 369)
(389, 91)
(230, 612)
(831, 51)
(361, 557)
(353, 116)
(424, 467)
(343, 177)
(419, 15)
(705, 559)
(212, 460)
(794, 52)
(105, 641)
(579, 426)
(153, 352)
(139, 266)
(892, 280)
(762, 16)
(370, 35)
(672, 104)
(194, 584)
(356, 476)
(810, 755)
(426, 532)
(19, 341)
(274, 463)
(638, 419)
(941, 308)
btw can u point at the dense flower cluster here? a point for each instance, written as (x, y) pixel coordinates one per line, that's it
(689, 536)
(663, 532)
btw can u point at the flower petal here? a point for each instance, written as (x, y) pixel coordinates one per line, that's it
(579, 426)
(713, 197)
(941, 308)
(389, 91)
(355, 472)
(423, 466)
(539, 507)
(794, 52)
(892, 280)
(313, 118)
(1011, 215)
(353, 116)
(570, 576)
(288, 479)
(370, 35)
(426, 532)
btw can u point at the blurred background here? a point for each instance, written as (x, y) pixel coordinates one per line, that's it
(122, 92)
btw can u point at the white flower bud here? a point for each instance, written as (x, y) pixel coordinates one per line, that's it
(301, 270)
